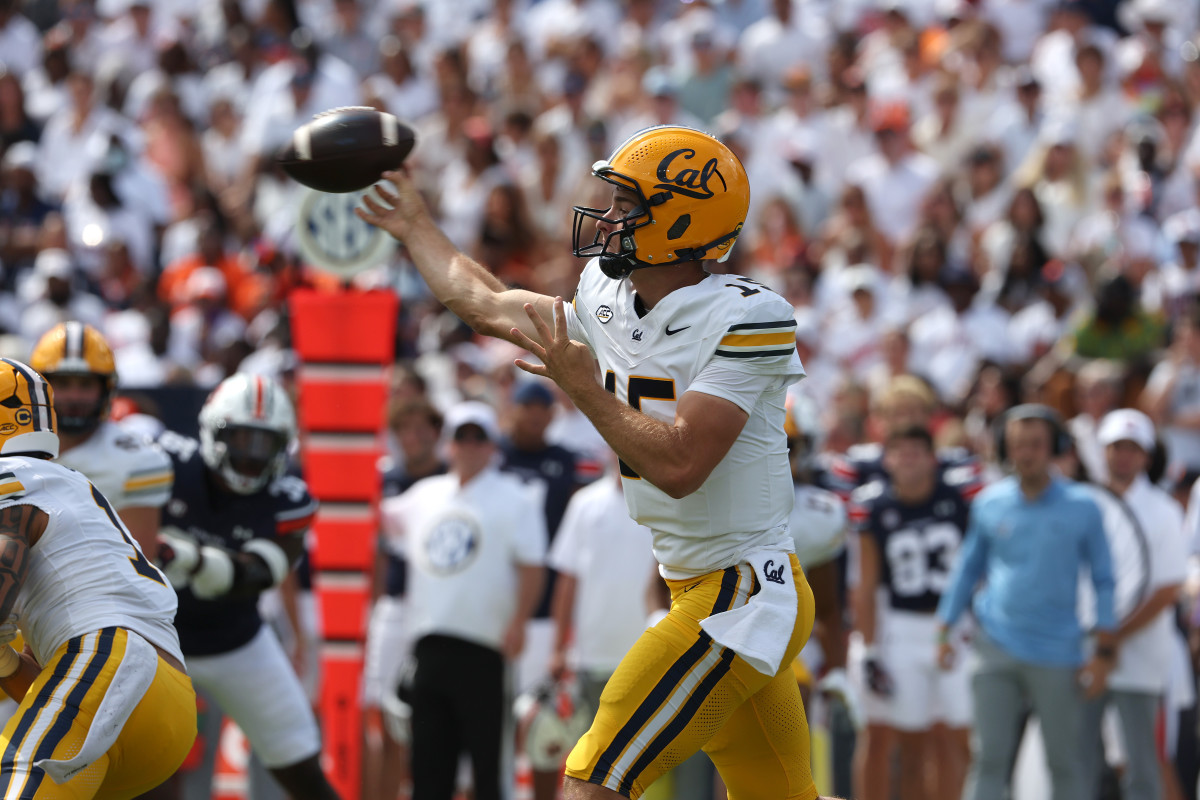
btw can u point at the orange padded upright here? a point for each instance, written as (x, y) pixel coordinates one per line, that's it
(345, 327)
(346, 342)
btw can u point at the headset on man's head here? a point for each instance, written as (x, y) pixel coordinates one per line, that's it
(1060, 440)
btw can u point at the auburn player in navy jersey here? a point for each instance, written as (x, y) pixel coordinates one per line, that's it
(907, 401)
(233, 528)
(909, 528)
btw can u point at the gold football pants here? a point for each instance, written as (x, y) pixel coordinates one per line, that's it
(53, 720)
(677, 691)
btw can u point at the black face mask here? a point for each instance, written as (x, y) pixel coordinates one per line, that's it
(614, 265)
(617, 267)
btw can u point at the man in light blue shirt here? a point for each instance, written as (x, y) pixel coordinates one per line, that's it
(1028, 537)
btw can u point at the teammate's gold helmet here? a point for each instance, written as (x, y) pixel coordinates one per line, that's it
(73, 348)
(692, 199)
(27, 422)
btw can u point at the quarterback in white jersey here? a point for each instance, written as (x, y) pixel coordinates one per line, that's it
(720, 337)
(106, 707)
(696, 367)
(134, 474)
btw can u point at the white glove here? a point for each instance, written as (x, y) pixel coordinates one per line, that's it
(9, 629)
(178, 556)
(837, 684)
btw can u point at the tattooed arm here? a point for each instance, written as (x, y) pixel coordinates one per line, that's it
(20, 528)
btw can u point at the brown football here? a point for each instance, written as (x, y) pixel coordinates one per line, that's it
(346, 149)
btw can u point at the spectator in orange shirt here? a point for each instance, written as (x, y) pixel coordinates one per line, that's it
(210, 252)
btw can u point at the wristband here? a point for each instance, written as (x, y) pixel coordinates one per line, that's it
(10, 661)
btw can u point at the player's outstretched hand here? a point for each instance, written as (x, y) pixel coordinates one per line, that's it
(395, 207)
(568, 363)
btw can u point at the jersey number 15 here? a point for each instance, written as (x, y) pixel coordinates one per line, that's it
(638, 388)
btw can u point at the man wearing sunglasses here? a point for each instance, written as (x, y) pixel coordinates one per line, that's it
(475, 543)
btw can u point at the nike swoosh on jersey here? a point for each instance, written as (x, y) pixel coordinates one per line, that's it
(677, 330)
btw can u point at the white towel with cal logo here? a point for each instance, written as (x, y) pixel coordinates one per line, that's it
(760, 630)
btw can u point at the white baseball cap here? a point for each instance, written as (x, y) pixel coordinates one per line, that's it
(1126, 424)
(472, 412)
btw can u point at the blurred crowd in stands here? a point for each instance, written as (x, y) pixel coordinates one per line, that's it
(999, 197)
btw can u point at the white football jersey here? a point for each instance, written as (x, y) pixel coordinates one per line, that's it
(86, 572)
(127, 468)
(818, 524)
(732, 326)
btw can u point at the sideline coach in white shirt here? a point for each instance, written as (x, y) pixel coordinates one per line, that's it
(475, 542)
(1137, 684)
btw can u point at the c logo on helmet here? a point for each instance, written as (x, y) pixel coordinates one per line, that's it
(23, 417)
(689, 182)
(727, 244)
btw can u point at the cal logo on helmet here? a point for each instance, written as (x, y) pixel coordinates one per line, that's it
(27, 422)
(691, 195)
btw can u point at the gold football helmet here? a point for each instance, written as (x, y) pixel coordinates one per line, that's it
(692, 196)
(73, 348)
(27, 422)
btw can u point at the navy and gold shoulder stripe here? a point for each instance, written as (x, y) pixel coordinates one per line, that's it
(10, 486)
(759, 340)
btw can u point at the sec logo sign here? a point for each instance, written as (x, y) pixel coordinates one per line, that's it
(451, 545)
(333, 239)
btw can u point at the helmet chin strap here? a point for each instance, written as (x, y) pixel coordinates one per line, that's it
(618, 266)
